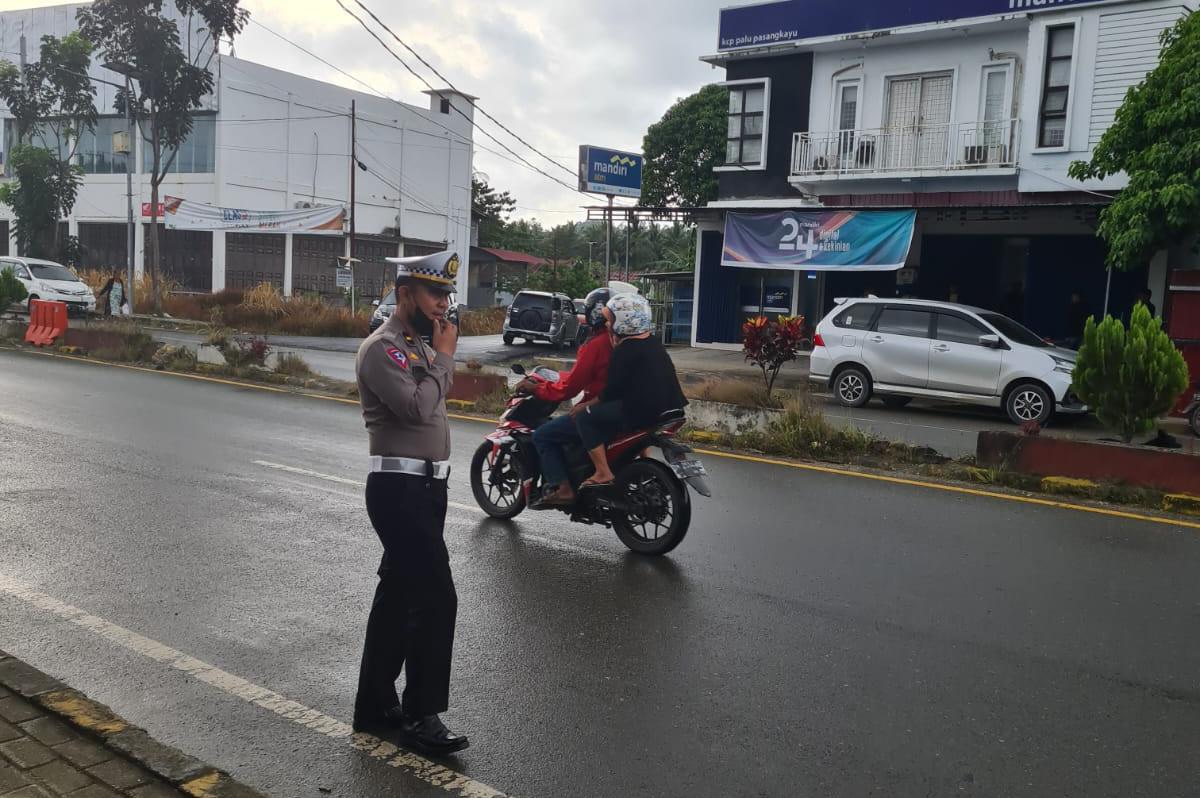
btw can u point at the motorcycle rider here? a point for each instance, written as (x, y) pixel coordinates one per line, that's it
(589, 376)
(642, 385)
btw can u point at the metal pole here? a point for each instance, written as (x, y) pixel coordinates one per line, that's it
(627, 226)
(130, 162)
(353, 211)
(608, 242)
(1107, 291)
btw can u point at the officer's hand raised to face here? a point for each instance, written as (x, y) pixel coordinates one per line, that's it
(445, 337)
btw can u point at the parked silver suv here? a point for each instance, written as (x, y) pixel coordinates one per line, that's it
(901, 349)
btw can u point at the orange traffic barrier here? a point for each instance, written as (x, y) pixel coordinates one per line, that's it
(47, 322)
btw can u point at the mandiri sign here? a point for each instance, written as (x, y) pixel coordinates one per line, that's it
(815, 241)
(181, 214)
(603, 171)
(772, 23)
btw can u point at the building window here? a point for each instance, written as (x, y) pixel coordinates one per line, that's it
(95, 153)
(45, 136)
(1056, 86)
(197, 154)
(445, 105)
(747, 114)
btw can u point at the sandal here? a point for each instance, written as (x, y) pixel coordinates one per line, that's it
(590, 483)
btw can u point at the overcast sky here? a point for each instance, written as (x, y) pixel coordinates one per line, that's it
(559, 72)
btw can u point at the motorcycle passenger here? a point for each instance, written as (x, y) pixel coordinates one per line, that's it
(642, 385)
(589, 376)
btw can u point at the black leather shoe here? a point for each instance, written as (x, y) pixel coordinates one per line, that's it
(388, 719)
(430, 736)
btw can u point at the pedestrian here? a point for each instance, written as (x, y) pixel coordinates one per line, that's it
(403, 383)
(102, 303)
(1145, 297)
(116, 297)
(1077, 316)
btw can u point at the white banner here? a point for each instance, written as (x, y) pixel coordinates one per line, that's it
(181, 214)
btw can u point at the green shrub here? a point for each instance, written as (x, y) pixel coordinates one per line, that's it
(1130, 377)
(802, 431)
(135, 346)
(11, 289)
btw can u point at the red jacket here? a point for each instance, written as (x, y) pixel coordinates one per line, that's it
(589, 375)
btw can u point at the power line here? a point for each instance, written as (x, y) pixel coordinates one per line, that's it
(395, 55)
(446, 80)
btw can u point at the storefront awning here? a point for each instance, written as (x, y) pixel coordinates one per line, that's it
(816, 241)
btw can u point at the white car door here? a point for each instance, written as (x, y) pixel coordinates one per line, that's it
(958, 362)
(896, 351)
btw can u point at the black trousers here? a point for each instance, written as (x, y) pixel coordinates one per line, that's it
(411, 627)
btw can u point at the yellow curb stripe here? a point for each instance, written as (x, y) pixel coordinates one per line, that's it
(83, 713)
(916, 483)
(201, 786)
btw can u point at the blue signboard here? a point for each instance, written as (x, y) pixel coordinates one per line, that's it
(772, 23)
(613, 172)
(815, 241)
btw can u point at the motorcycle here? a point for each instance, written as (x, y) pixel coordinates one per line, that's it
(648, 504)
(1192, 411)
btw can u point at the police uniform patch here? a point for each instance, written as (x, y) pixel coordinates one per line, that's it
(398, 357)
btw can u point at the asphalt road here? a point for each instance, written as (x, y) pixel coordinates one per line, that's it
(816, 634)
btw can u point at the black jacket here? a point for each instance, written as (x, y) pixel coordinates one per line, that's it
(642, 377)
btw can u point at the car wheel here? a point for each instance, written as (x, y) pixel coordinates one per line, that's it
(852, 387)
(1194, 421)
(896, 402)
(508, 339)
(1029, 402)
(29, 304)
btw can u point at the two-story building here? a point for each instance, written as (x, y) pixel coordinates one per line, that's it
(965, 114)
(266, 139)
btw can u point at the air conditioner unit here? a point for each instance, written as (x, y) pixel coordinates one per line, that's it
(304, 204)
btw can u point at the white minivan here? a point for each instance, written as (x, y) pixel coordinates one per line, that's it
(900, 349)
(45, 279)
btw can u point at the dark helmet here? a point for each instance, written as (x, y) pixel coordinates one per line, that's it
(593, 306)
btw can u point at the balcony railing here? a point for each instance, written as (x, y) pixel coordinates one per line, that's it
(959, 147)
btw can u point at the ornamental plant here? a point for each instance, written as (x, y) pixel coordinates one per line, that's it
(1130, 377)
(11, 289)
(769, 344)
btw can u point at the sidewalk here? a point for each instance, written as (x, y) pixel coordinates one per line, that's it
(54, 741)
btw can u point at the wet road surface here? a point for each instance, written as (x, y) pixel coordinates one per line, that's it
(816, 634)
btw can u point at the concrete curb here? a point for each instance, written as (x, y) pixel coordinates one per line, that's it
(185, 772)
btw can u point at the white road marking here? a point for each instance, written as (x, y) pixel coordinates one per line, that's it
(429, 772)
(358, 483)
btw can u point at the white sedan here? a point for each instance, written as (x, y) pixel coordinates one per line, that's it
(45, 279)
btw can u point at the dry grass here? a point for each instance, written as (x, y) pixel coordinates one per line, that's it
(293, 365)
(734, 392)
(482, 321)
(263, 309)
(143, 291)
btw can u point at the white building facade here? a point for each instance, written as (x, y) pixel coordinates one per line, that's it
(271, 140)
(968, 112)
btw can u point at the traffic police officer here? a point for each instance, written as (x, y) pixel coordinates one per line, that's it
(403, 383)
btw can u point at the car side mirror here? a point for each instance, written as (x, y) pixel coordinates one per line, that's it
(990, 341)
(518, 369)
(375, 303)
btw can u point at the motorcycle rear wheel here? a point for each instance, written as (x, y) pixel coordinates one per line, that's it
(660, 509)
(504, 498)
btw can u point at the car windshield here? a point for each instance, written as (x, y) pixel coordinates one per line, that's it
(1014, 331)
(52, 271)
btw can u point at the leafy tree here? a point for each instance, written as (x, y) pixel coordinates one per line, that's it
(52, 101)
(491, 210)
(1155, 139)
(573, 279)
(11, 289)
(1131, 377)
(169, 77)
(683, 147)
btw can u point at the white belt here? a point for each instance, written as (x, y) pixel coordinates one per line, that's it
(408, 465)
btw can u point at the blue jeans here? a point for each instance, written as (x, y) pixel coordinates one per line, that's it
(551, 439)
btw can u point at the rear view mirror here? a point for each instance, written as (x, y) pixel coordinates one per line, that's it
(990, 341)
(518, 369)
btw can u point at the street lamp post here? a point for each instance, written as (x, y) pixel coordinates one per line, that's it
(129, 73)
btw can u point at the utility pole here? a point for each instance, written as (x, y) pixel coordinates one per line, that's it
(608, 243)
(129, 166)
(350, 259)
(628, 224)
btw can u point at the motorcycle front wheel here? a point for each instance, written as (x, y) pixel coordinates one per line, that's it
(497, 483)
(659, 508)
